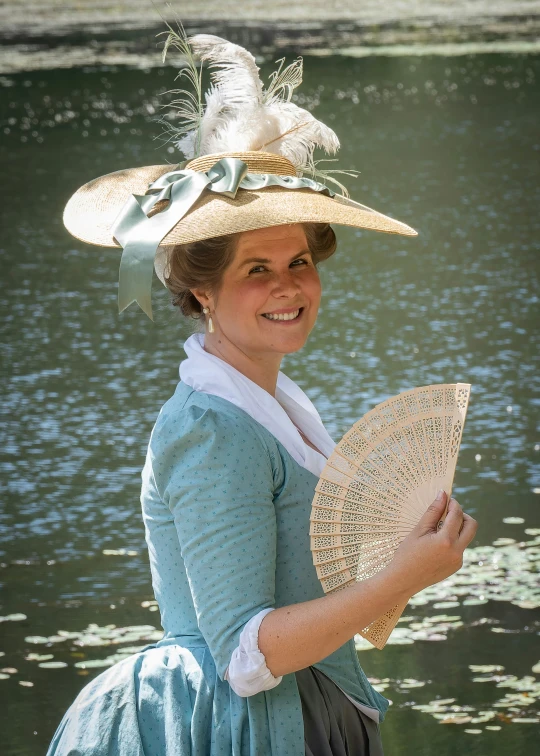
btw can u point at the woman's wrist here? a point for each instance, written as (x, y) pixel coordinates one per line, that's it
(385, 590)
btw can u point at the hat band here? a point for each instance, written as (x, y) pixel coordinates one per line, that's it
(140, 236)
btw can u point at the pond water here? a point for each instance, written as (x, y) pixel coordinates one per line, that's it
(450, 146)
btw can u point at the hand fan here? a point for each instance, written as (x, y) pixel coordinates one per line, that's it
(377, 484)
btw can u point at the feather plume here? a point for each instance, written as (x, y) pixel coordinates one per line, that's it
(283, 83)
(234, 70)
(188, 106)
(298, 144)
(213, 120)
(324, 175)
(239, 113)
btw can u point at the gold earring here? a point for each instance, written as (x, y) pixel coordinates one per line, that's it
(210, 323)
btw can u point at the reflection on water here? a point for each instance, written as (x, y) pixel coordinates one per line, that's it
(449, 146)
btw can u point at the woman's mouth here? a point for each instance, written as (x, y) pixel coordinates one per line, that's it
(284, 317)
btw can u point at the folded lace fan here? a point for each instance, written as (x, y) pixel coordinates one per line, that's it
(377, 484)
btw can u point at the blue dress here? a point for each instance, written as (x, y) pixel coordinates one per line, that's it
(226, 512)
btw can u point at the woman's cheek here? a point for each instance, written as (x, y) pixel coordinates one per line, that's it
(313, 287)
(253, 294)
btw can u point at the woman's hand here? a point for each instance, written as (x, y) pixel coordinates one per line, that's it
(429, 554)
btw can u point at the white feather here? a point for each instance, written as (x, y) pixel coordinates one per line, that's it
(240, 115)
(235, 71)
(302, 132)
(214, 116)
(213, 119)
(187, 144)
(244, 131)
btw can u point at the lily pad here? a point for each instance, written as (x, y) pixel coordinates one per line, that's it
(36, 639)
(93, 664)
(483, 717)
(95, 635)
(52, 664)
(486, 668)
(18, 617)
(457, 719)
(39, 657)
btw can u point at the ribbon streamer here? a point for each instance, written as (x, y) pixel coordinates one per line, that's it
(140, 236)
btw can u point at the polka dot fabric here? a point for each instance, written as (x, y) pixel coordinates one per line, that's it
(226, 512)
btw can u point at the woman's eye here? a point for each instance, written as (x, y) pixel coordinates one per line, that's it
(301, 260)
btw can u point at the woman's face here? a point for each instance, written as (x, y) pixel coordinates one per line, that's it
(270, 293)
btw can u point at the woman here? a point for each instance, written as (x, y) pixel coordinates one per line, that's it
(255, 658)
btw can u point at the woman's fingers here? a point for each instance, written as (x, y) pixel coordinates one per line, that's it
(468, 530)
(458, 525)
(453, 521)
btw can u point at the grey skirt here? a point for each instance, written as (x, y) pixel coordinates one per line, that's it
(333, 726)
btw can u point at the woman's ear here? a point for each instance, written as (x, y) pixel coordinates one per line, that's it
(202, 297)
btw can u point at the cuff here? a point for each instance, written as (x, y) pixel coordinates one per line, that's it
(247, 672)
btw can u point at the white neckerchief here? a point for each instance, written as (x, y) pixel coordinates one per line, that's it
(280, 415)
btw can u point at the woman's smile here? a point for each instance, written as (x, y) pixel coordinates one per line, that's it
(288, 317)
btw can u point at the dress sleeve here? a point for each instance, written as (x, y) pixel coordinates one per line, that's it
(247, 672)
(215, 473)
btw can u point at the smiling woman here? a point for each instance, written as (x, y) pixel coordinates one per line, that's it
(255, 658)
(260, 288)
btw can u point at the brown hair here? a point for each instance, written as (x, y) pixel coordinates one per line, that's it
(201, 264)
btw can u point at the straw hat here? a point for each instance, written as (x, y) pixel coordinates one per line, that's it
(93, 209)
(239, 115)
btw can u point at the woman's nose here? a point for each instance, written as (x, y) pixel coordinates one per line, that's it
(286, 284)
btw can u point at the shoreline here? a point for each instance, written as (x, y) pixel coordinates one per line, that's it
(94, 34)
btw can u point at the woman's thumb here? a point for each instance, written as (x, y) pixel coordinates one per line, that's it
(432, 515)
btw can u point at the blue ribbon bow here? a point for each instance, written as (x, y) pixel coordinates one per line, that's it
(140, 236)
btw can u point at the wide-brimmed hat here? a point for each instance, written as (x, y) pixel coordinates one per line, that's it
(148, 210)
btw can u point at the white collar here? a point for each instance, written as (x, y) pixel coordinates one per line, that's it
(212, 375)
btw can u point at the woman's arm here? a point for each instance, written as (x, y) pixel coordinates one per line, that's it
(215, 475)
(295, 636)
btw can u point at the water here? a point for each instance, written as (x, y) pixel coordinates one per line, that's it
(449, 146)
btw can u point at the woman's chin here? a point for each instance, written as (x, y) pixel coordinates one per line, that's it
(287, 343)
